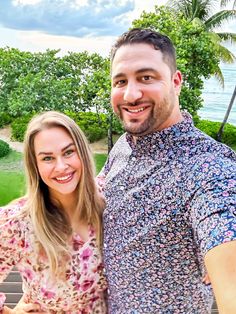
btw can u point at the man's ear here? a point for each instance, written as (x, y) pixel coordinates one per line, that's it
(177, 80)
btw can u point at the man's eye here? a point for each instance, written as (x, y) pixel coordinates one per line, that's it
(119, 83)
(146, 78)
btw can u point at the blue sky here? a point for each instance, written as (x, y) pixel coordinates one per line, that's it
(70, 25)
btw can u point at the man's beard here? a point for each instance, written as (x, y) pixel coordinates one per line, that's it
(157, 116)
(135, 128)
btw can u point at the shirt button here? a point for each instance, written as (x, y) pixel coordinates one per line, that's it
(133, 158)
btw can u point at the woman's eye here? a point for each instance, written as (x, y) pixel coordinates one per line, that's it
(47, 158)
(69, 152)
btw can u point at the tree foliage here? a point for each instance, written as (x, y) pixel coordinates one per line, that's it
(197, 57)
(34, 82)
(200, 11)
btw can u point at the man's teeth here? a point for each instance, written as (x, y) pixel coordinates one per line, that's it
(63, 178)
(136, 110)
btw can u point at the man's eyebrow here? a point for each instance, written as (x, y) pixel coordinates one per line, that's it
(142, 70)
(146, 70)
(118, 75)
(63, 149)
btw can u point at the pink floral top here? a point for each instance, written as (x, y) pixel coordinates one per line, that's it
(82, 292)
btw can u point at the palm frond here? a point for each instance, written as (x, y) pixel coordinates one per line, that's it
(219, 76)
(219, 18)
(226, 55)
(192, 8)
(200, 9)
(231, 37)
(223, 3)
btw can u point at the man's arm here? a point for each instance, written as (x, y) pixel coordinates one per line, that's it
(221, 267)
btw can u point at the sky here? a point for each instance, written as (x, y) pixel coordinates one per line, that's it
(70, 25)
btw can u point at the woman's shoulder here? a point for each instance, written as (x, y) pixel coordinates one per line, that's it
(14, 213)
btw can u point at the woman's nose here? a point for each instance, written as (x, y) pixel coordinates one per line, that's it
(61, 164)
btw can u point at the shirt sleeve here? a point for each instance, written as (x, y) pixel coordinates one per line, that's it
(11, 243)
(118, 153)
(213, 213)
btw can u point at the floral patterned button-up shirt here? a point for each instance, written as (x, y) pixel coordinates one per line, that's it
(83, 289)
(171, 197)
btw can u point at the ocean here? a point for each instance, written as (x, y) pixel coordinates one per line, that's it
(217, 99)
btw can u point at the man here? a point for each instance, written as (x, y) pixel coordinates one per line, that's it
(170, 192)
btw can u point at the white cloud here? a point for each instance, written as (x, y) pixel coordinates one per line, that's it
(41, 42)
(25, 2)
(72, 29)
(66, 17)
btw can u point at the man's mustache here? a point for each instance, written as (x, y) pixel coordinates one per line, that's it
(137, 103)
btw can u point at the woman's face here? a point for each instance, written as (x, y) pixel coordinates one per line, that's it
(58, 162)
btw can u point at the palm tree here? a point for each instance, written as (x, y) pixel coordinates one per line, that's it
(221, 130)
(199, 11)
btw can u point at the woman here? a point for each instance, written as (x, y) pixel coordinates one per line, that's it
(53, 236)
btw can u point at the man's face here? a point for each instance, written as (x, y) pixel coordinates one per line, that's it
(144, 92)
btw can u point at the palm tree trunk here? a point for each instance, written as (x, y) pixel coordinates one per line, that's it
(220, 132)
(109, 132)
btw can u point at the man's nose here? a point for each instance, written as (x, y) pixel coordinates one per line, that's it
(132, 92)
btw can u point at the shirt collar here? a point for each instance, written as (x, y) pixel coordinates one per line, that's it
(163, 137)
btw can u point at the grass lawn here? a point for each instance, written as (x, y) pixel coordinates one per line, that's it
(99, 161)
(12, 186)
(12, 183)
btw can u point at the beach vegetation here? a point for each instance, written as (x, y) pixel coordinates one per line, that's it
(197, 57)
(201, 12)
(4, 148)
(211, 128)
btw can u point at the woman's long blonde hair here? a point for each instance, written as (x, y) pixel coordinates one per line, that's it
(50, 224)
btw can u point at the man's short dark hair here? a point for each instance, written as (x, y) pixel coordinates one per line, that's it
(148, 36)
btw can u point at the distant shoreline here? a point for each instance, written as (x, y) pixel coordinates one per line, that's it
(216, 99)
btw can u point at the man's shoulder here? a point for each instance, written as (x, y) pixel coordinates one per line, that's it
(202, 144)
(120, 145)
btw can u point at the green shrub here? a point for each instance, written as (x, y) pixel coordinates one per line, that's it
(19, 126)
(212, 127)
(94, 125)
(5, 119)
(4, 148)
(94, 133)
(117, 126)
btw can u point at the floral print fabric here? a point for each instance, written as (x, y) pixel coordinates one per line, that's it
(170, 199)
(80, 289)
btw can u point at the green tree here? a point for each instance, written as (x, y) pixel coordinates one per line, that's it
(200, 12)
(33, 82)
(197, 58)
(95, 90)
